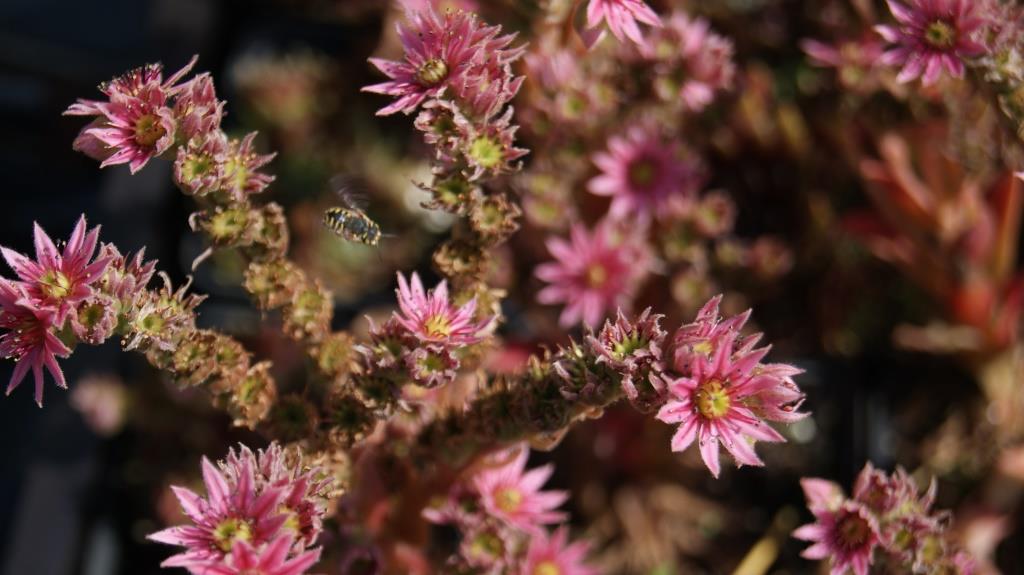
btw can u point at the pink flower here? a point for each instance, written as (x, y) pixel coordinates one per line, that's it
(853, 59)
(29, 339)
(633, 349)
(693, 62)
(700, 338)
(231, 512)
(643, 172)
(60, 281)
(932, 35)
(441, 50)
(553, 556)
(847, 533)
(886, 512)
(305, 490)
(239, 167)
(514, 497)
(136, 123)
(594, 272)
(102, 400)
(271, 559)
(432, 318)
(725, 397)
(197, 109)
(621, 17)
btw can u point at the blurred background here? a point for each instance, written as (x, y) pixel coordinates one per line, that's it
(893, 376)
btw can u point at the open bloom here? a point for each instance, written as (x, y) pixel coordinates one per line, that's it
(228, 514)
(932, 36)
(594, 272)
(514, 497)
(622, 17)
(720, 401)
(135, 123)
(554, 555)
(305, 490)
(60, 280)
(643, 173)
(29, 339)
(432, 318)
(441, 49)
(271, 559)
(847, 534)
(887, 514)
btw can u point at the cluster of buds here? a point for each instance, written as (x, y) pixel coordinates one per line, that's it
(457, 73)
(887, 514)
(501, 515)
(707, 378)
(146, 116)
(262, 513)
(88, 293)
(425, 344)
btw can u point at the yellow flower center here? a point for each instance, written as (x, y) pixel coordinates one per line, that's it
(703, 348)
(229, 531)
(940, 34)
(853, 530)
(486, 152)
(437, 326)
(432, 72)
(237, 173)
(641, 173)
(487, 545)
(55, 284)
(508, 499)
(151, 323)
(712, 399)
(148, 130)
(547, 568)
(596, 276)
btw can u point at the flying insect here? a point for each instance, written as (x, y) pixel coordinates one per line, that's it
(349, 220)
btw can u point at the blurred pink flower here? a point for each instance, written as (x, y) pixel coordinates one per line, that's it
(135, 124)
(229, 514)
(509, 494)
(846, 533)
(621, 17)
(554, 555)
(932, 35)
(60, 281)
(271, 559)
(101, 399)
(29, 339)
(432, 318)
(440, 51)
(698, 63)
(853, 59)
(594, 272)
(643, 172)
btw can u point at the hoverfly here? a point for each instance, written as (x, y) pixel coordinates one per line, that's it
(349, 220)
